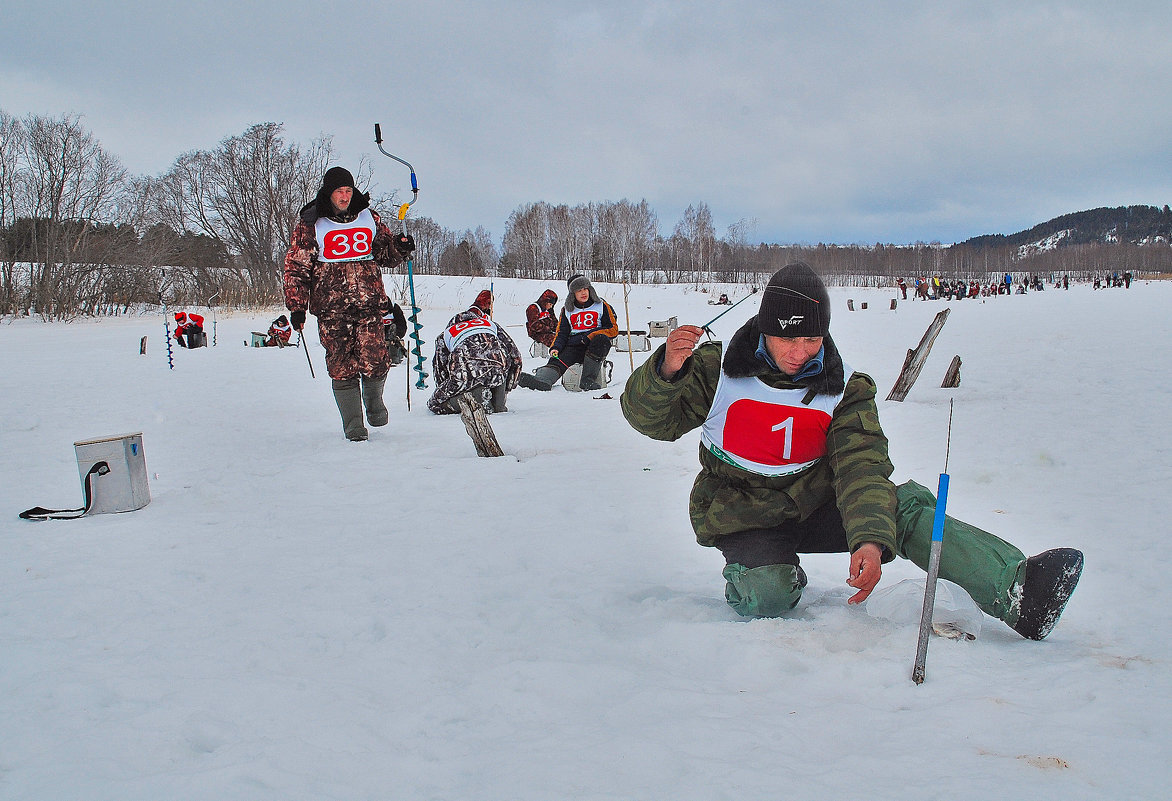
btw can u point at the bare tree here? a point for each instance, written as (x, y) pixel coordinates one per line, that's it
(246, 194)
(431, 239)
(69, 185)
(526, 241)
(696, 227)
(486, 252)
(627, 234)
(11, 145)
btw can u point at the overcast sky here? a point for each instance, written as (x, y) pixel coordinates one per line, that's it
(821, 121)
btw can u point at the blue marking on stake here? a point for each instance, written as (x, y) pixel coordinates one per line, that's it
(941, 502)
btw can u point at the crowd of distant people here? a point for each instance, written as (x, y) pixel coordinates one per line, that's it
(939, 288)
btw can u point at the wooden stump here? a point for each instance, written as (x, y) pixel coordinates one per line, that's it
(914, 362)
(893, 304)
(142, 347)
(478, 427)
(850, 304)
(952, 376)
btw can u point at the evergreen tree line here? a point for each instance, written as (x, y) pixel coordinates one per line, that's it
(79, 235)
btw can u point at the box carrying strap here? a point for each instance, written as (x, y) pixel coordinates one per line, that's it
(41, 513)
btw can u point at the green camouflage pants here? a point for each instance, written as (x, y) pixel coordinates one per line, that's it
(984, 565)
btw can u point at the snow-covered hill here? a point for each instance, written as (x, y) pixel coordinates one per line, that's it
(295, 616)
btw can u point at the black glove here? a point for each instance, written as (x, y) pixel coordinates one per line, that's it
(404, 244)
(297, 320)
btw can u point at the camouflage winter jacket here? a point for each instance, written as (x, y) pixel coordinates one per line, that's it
(541, 325)
(345, 290)
(480, 360)
(725, 498)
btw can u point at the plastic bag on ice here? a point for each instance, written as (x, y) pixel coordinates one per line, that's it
(954, 613)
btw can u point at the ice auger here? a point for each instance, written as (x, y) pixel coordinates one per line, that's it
(166, 318)
(413, 318)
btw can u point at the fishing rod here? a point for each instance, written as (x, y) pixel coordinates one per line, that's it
(708, 330)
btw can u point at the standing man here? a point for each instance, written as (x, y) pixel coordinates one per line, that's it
(793, 461)
(338, 252)
(586, 329)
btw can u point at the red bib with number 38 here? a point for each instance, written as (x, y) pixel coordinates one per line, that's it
(765, 430)
(352, 241)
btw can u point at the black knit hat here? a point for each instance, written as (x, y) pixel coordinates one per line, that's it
(335, 178)
(795, 304)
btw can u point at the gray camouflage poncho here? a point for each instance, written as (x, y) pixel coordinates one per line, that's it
(481, 360)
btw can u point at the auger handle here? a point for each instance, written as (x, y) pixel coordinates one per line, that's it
(378, 140)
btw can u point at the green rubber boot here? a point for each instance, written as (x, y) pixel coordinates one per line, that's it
(348, 396)
(372, 398)
(767, 591)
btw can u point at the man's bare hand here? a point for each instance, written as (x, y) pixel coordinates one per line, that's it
(866, 570)
(680, 344)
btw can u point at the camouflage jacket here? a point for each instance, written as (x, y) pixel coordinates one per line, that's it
(345, 290)
(725, 498)
(481, 360)
(540, 324)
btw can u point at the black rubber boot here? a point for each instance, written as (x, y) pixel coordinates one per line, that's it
(1050, 578)
(499, 393)
(542, 379)
(591, 374)
(348, 396)
(372, 398)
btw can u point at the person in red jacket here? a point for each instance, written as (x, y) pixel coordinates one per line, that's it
(189, 330)
(540, 321)
(334, 269)
(279, 333)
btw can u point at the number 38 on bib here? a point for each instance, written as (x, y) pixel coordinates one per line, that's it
(352, 241)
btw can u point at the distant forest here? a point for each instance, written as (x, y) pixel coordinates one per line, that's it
(81, 236)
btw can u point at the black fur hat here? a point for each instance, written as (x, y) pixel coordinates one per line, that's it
(322, 206)
(336, 178)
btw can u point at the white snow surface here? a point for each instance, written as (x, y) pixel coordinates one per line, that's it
(295, 616)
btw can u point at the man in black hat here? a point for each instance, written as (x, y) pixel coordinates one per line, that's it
(794, 461)
(334, 269)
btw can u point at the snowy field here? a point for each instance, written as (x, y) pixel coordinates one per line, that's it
(295, 616)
